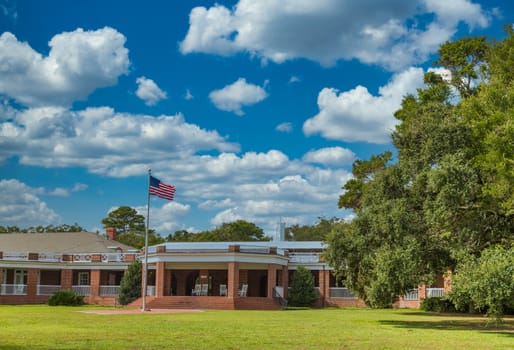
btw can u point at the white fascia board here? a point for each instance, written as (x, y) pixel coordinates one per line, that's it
(225, 258)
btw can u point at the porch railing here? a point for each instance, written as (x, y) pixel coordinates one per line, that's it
(337, 292)
(109, 290)
(58, 257)
(435, 292)
(278, 295)
(411, 295)
(304, 258)
(81, 290)
(150, 291)
(47, 289)
(13, 289)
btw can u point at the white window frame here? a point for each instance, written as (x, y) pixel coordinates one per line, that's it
(83, 279)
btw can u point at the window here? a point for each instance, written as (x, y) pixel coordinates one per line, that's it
(83, 278)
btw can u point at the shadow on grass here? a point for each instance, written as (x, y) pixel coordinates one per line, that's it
(454, 322)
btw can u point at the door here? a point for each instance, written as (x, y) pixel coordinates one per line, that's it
(20, 278)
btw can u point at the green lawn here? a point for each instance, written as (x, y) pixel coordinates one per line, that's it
(45, 327)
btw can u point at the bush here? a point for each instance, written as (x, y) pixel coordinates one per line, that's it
(302, 292)
(437, 304)
(130, 286)
(66, 298)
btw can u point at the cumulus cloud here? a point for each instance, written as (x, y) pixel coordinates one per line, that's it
(60, 191)
(357, 115)
(331, 156)
(148, 91)
(21, 206)
(78, 63)
(236, 95)
(390, 36)
(166, 219)
(101, 140)
(284, 127)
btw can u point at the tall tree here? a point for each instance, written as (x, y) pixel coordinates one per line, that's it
(449, 194)
(130, 227)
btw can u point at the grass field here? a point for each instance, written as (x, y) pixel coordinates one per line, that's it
(44, 327)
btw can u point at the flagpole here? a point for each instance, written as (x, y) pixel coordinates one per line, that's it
(145, 267)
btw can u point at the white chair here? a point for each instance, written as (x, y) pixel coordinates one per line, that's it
(197, 290)
(243, 291)
(205, 289)
(223, 290)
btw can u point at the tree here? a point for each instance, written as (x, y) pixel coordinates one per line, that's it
(130, 286)
(450, 193)
(239, 230)
(485, 282)
(316, 232)
(302, 291)
(130, 227)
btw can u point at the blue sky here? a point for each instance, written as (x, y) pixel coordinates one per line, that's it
(253, 109)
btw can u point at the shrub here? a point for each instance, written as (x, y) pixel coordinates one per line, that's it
(130, 286)
(66, 298)
(302, 292)
(436, 304)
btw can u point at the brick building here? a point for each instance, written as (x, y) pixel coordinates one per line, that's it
(35, 265)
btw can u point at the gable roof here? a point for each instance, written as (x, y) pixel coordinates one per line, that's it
(59, 242)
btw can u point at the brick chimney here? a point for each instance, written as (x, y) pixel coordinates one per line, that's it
(111, 233)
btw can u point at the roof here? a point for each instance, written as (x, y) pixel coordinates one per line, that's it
(59, 242)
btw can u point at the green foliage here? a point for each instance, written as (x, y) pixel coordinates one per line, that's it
(239, 230)
(451, 192)
(316, 232)
(130, 286)
(302, 291)
(66, 298)
(486, 282)
(130, 227)
(437, 304)
(42, 229)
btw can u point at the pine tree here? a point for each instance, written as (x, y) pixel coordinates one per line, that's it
(302, 292)
(130, 286)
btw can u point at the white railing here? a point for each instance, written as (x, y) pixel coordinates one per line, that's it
(336, 292)
(13, 289)
(435, 292)
(109, 290)
(253, 249)
(15, 256)
(81, 257)
(50, 257)
(304, 258)
(47, 289)
(150, 291)
(411, 295)
(81, 290)
(112, 257)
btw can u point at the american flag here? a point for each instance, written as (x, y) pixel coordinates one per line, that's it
(160, 189)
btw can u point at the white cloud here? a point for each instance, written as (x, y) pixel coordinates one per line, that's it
(357, 115)
(21, 207)
(284, 127)
(389, 35)
(236, 95)
(78, 63)
(166, 219)
(213, 204)
(294, 79)
(188, 96)
(103, 141)
(331, 156)
(148, 91)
